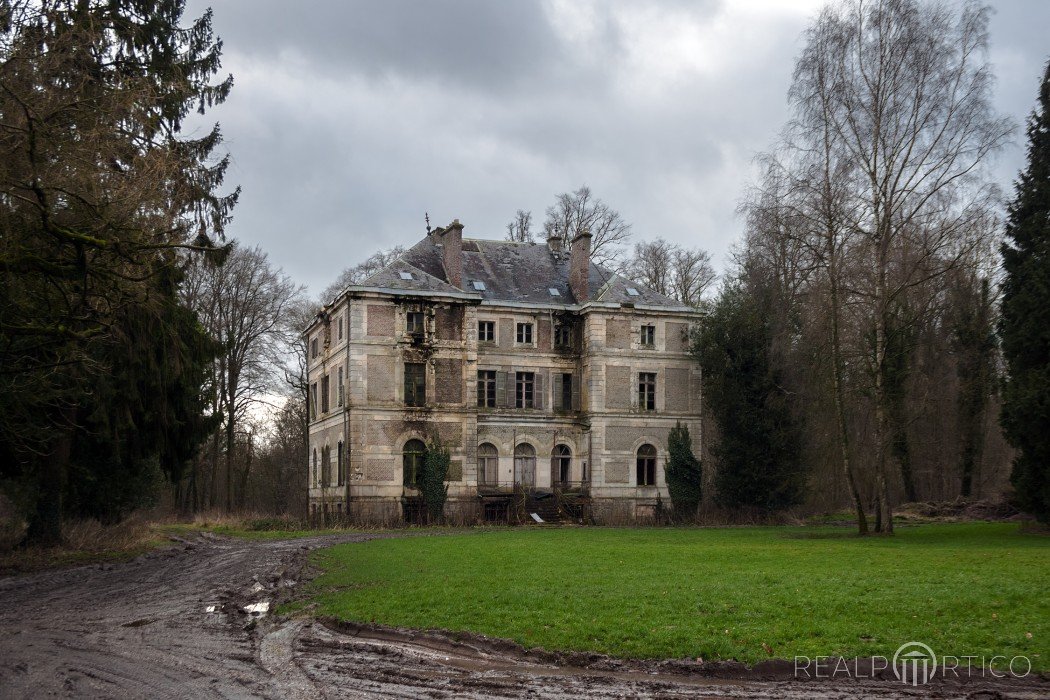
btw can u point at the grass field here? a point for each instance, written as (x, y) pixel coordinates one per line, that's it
(734, 593)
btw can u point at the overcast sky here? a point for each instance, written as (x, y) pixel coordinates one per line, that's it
(349, 120)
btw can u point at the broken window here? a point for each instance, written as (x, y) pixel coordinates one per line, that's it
(313, 401)
(313, 348)
(324, 394)
(561, 464)
(412, 461)
(488, 464)
(415, 384)
(525, 464)
(524, 396)
(648, 337)
(647, 391)
(487, 388)
(566, 391)
(525, 333)
(415, 323)
(341, 390)
(646, 466)
(486, 331)
(563, 336)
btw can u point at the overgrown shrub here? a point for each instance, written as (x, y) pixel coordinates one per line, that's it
(431, 480)
(684, 475)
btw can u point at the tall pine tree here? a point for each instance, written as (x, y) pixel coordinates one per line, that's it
(1025, 322)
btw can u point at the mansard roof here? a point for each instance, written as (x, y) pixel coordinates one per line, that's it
(505, 271)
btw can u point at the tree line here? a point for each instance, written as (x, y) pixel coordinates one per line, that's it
(880, 337)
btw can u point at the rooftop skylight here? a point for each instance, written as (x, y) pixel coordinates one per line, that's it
(632, 292)
(478, 285)
(405, 275)
(554, 292)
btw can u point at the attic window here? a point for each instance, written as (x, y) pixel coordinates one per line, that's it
(632, 292)
(406, 275)
(478, 285)
(554, 292)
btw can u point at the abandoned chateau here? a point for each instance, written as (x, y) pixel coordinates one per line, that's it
(553, 382)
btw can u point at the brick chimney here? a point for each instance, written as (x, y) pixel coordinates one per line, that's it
(580, 266)
(452, 252)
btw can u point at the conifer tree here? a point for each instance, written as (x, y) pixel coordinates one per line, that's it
(1025, 322)
(684, 475)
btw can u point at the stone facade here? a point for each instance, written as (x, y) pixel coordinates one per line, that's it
(548, 393)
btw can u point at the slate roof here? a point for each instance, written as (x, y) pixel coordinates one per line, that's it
(510, 272)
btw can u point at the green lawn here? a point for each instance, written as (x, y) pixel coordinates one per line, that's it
(974, 588)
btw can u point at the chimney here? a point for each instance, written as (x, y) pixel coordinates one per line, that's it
(452, 252)
(580, 266)
(554, 242)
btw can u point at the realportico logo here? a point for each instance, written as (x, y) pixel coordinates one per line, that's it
(915, 664)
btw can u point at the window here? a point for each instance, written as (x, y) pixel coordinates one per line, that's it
(341, 389)
(415, 384)
(648, 336)
(315, 466)
(646, 466)
(566, 392)
(313, 401)
(486, 331)
(563, 336)
(525, 464)
(647, 391)
(405, 275)
(324, 394)
(340, 325)
(488, 464)
(412, 461)
(478, 285)
(553, 292)
(340, 459)
(415, 323)
(487, 388)
(561, 464)
(632, 292)
(326, 466)
(525, 333)
(524, 388)
(313, 348)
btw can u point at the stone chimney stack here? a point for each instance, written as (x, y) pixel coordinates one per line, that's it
(580, 266)
(452, 252)
(554, 242)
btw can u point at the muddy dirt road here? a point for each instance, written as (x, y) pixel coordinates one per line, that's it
(173, 624)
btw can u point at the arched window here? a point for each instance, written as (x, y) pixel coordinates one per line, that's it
(561, 464)
(488, 464)
(646, 465)
(525, 465)
(412, 460)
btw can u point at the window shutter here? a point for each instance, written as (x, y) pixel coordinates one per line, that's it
(501, 389)
(537, 391)
(557, 392)
(576, 381)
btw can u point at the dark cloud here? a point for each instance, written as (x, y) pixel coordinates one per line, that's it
(348, 121)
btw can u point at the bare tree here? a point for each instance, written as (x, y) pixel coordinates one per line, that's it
(246, 306)
(361, 271)
(574, 212)
(892, 125)
(653, 265)
(681, 273)
(520, 229)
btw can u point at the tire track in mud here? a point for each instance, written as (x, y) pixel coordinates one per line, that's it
(171, 624)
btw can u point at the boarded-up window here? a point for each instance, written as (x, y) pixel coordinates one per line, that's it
(617, 386)
(380, 320)
(448, 381)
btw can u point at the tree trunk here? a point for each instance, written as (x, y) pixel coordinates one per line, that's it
(45, 523)
(840, 403)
